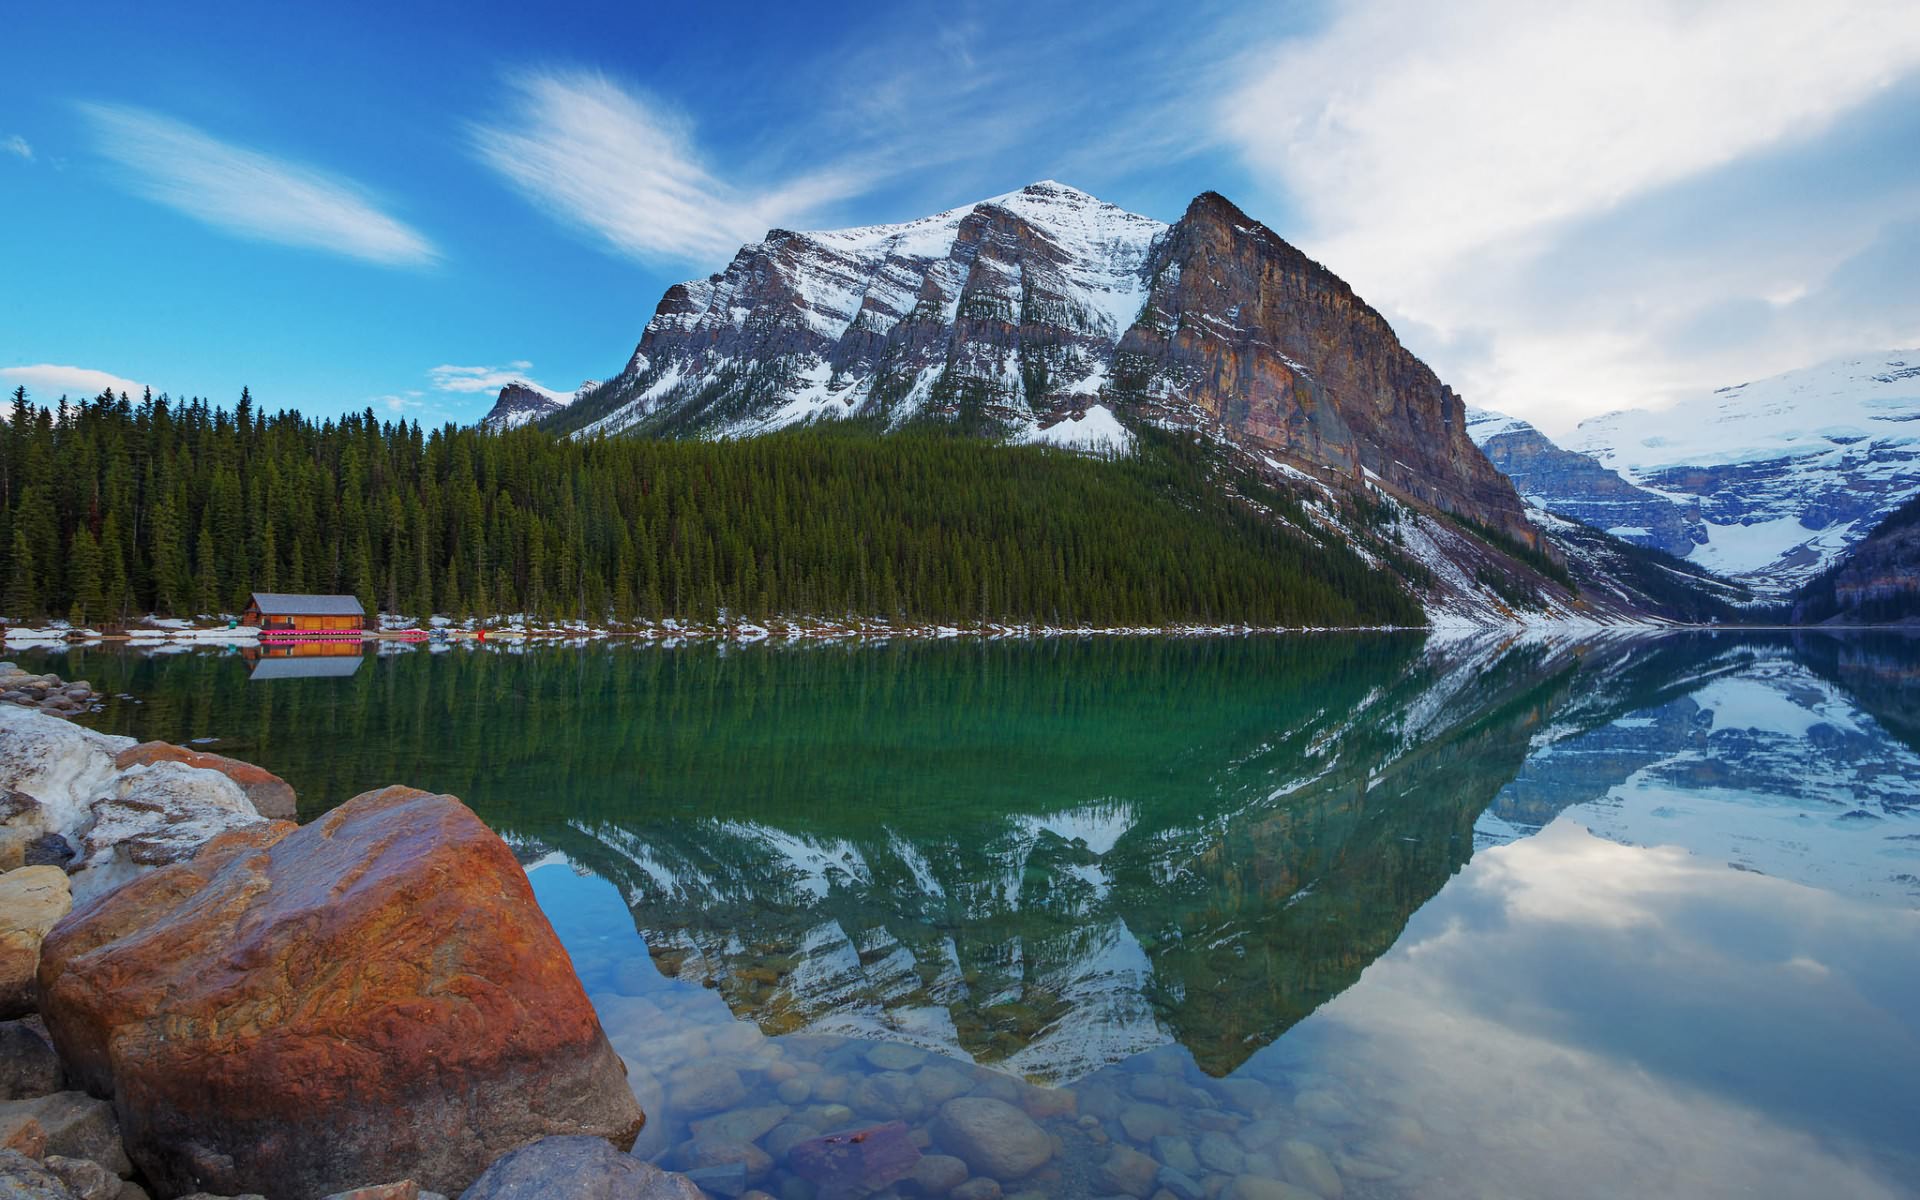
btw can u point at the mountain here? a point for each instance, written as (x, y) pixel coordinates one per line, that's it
(1578, 486)
(1768, 483)
(1878, 583)
(520, 402)
(1049, 315)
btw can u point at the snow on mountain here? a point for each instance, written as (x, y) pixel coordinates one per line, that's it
(1787, 473)
(522, 401)
(875, 320)
(1578, 486)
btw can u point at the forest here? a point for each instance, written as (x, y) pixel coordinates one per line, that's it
(112, 509)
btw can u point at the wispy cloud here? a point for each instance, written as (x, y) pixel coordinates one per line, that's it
(248, 193)
(1438, 151)
(470, 380)
(18, 146)
(44, 381)
(622, 168)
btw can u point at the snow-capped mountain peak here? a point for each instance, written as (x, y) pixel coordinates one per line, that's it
(522, 400)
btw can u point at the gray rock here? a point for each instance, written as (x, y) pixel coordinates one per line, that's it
(47, 850)
(700, 1088)
(793, 1091)
(888, 1095)
(977, 1189)
(1144, 1122)
(1306, 1164)
(1176, 1152)
(29, 1066)
(893, 1056)
(741, 1124)
(1323, 1108)
(580, 1168)
(84, 1178)
(1127, 1171)
(727, 1179)
(938, 1174)
(992, 1137)
(1180, 1185)
(1256, 1187)
(1219, 1154)
(784, 1137)
(77, 1126)
(21, 1178)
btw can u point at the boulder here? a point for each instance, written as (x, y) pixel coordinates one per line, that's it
(406, 1189)
(580, 1168)
(938, 1174)
(73, 1124)
(856, 1163)
(63, 766)
(153, 816)
(32, 900)
(86, 1179)
(271, 796)
(23, 822)
(992, 1137)
(298, 1010)
(1128, 1172)
(28, 1065)
(21, 1178)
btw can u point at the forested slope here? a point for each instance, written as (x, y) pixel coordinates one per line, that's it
(114, 508)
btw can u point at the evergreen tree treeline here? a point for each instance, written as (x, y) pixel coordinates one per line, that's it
(113, 508)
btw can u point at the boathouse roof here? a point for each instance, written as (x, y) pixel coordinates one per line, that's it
(295, 604)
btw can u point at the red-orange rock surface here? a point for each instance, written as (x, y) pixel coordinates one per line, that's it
(270, 794)
(297, 1011)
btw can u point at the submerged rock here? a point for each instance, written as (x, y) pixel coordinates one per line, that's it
(856, 1163)
(294, 1012)
(580, 1168)
(992, 1137)
(32, 900)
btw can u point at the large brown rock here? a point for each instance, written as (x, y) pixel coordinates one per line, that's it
(271, 795)
(32, 900)
(297, 1011)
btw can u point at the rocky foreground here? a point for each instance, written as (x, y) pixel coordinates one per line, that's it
(199, 997)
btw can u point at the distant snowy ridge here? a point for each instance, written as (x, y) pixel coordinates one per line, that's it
(1767, 482)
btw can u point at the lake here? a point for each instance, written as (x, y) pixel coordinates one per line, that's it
(1373, 915)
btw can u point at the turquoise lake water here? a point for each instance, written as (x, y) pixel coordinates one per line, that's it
(1354, 915)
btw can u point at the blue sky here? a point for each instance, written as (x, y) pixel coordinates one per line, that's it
(1566, 209)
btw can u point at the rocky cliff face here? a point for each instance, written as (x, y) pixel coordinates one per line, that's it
(1245, 335)
(1577, 486)
(1048, 315)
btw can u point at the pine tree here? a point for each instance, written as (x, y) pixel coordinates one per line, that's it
(23, 589)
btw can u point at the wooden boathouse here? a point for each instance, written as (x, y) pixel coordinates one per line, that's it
(290, 615)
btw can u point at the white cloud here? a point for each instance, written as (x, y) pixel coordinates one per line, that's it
(1436, 151)
(48, 381)
(609, 162)
(467, 380)
(17, 145)
(248, 193)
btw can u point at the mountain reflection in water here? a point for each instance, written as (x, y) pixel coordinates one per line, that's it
(1071, 860)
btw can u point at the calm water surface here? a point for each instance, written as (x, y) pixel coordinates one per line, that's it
(1370, 915)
